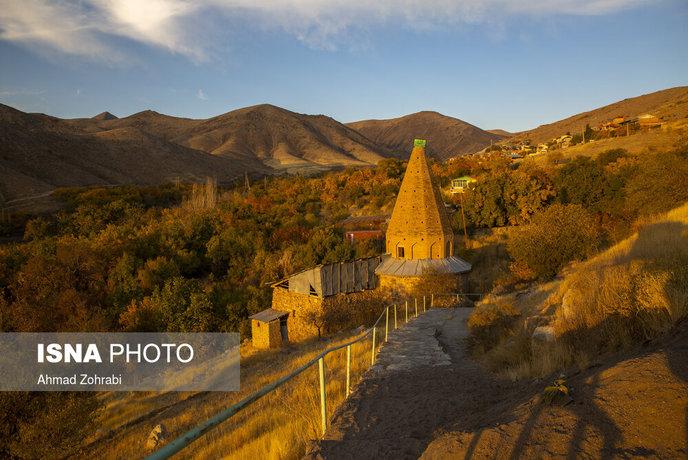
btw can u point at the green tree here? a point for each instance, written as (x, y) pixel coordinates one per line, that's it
(582, 181)
(555, 237)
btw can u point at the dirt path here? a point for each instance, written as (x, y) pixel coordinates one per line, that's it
(414, 404)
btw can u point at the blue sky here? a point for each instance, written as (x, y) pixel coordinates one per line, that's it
(505, 64)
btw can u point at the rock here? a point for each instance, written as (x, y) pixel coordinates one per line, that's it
(544, 334)
(156, 437)
(567, 303)
(532, 322)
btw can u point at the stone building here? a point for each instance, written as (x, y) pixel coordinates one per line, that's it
(269, 329)
(420, 242)
(317, 301)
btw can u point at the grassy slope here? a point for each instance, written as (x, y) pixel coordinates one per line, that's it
(634, 291)
(277, 426)
(669, 104)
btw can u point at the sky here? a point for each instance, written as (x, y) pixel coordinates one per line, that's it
(509, 64)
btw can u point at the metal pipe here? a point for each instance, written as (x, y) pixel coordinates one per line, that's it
(386, 323)
(187, 438)
(372, 352)
(348, 370)
(323, 395)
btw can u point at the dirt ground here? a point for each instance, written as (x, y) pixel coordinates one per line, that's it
(630, 405)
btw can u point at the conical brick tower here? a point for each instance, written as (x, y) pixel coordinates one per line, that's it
(419, 228)
(420, 242)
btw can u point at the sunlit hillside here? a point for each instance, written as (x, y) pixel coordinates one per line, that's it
(633, 292)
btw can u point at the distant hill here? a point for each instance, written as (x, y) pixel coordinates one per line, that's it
(447, 137)
(669, 104)
(500, 132)
(39, 153)
(104, 116)
(282, 139)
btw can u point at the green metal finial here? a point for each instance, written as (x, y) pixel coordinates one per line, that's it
(419, 142)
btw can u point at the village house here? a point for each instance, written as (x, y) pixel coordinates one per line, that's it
(649, 121)
(354, 236)
(564, 141)
(461, 184)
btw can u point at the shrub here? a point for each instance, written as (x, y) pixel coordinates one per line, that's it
(490, 321)
(556, 236)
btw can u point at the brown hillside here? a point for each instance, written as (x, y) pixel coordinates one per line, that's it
(281, 138)
(447, 137)
(669, 105)
(500, 132)
(39, 153)
(104, 116)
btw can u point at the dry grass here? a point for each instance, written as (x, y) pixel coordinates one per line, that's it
(203, 196)
(633, 292)
(278, 426)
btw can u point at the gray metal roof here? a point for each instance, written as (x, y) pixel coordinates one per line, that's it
(268, 315)
(418, 267)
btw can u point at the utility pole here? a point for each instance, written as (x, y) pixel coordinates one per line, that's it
(463, 220)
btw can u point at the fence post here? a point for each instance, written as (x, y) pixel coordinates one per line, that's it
(415, 302)
(432, 300)
(423, 304)
(386, 323)
(323, 396)
(348, 370)
(372, 352)
(406, 304)
(395, 316)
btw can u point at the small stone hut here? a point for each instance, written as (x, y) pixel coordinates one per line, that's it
(269, 329)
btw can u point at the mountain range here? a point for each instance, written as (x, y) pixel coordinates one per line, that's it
(39, 153)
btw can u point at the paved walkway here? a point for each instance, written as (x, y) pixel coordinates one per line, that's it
(421, 380)
(425, 398)
(414, 344)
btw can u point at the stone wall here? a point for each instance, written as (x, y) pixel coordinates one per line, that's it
(300, 308)
(266, 335)
(418, 286)
(332, 313)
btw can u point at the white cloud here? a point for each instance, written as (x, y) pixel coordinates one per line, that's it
(87, 28)
(201, 95)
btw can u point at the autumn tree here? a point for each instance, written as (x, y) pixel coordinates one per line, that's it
(555, 237)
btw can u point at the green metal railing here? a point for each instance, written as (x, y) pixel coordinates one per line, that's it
(187, 438)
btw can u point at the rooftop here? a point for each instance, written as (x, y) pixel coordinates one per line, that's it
(419, 267)
(268, 315)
